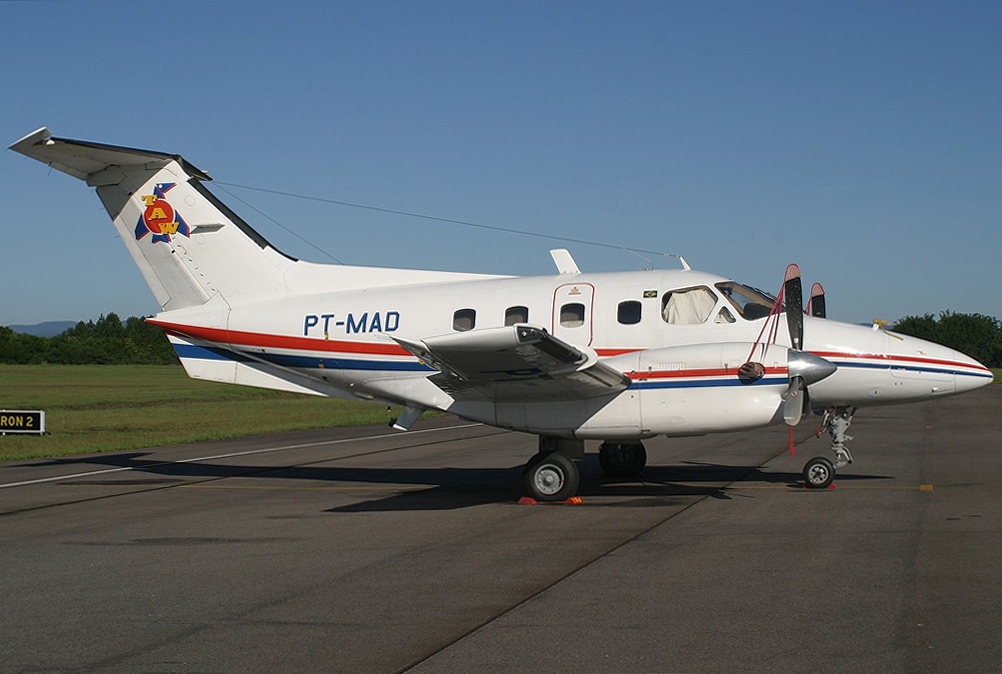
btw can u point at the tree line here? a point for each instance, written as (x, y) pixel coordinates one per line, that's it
(106, 341)
(109, 340)
(977, 335)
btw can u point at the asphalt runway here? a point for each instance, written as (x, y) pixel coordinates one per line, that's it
(367, 550)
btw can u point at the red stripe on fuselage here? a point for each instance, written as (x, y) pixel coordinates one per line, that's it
(894, 357)
(262, 340)
(615, 352)
(704, 372)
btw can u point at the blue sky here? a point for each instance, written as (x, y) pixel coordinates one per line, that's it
(860, 140)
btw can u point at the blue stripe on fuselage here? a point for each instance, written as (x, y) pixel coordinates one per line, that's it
(910, 368)
(308, 362)
(707, 383)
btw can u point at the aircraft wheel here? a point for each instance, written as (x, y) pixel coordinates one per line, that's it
(627, 460)
(551, 477)
(819, 473)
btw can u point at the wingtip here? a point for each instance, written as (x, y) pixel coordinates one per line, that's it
(39, 135)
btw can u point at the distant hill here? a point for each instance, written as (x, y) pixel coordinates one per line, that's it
(46, 329)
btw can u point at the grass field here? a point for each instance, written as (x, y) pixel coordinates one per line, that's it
(93, 408)
(96, 408)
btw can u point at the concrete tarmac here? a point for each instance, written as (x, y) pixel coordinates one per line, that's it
(367, 550)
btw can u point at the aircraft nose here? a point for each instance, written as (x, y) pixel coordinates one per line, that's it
(970, 374)
(943, 370)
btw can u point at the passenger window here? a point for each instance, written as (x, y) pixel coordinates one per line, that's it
(688, 306)
(515, 315)
(629, 312)
(572, 315)
(464, 319)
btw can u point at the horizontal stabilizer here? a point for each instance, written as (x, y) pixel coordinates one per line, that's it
(83, 159)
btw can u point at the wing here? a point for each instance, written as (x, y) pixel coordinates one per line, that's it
(515, 363)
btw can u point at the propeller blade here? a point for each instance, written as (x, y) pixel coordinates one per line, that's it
(817, 301)
(796, 403)
(794, 295)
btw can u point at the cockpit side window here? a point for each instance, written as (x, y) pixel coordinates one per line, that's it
(688, 306)
(751, 303)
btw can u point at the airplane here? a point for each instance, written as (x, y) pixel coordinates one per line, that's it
(617, 357)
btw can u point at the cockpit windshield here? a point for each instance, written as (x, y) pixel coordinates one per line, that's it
(751, 303)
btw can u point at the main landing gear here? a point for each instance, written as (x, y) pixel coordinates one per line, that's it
(622, 460)
(551, 474)
(819, 472)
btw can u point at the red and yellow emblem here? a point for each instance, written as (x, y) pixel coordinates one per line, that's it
(159, 218)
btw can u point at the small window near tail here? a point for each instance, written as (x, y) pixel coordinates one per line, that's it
(464, 319)
(514, 315)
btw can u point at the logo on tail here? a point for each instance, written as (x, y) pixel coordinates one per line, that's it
(160, 219)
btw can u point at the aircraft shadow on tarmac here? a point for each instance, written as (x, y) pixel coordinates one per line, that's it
(444, 488)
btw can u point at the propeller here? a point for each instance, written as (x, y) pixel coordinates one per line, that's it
(804, 368)
(817, 302)
(793, 292)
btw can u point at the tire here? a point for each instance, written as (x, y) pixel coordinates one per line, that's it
(551, 477)
(819, 473)
(622, 461)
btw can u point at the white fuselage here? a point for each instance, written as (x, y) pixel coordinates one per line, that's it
(683, 372)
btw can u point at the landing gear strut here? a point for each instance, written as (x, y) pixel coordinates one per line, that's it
(820, 471)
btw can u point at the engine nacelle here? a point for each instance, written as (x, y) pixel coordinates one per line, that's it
(698, 388)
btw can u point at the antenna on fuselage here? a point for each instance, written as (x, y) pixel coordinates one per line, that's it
(564, 261)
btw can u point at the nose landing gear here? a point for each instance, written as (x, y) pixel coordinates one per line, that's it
(820, 471)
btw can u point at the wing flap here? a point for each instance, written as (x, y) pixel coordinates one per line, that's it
(520, 362)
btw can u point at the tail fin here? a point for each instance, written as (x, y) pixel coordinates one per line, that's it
(189, 246)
